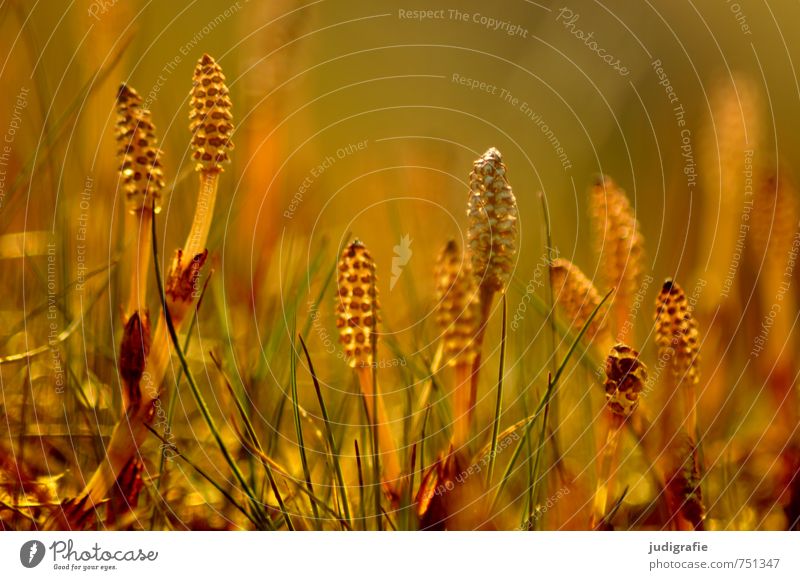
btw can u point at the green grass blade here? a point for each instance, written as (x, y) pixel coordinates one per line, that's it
(299, 429)
(251, 433)
(58, 296)
(300, 485)
(422, 441)
(361, 504)
(537, 463)
(198, 396)
(551, 384)
(173, 390)
(332, 448)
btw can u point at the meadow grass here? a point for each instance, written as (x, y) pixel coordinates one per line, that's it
(305, 422)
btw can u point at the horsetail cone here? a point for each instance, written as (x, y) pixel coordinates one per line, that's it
(458, 311)
(626, 376)
(138, 153)
(676, 334)
(493, 228)
(357, 304)
(620, 245)
(576, 296)
(210, 118)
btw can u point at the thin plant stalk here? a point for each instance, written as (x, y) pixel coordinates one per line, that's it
(462, 395)
(198, 396)
(553, 433)
(690, 411)
(251, 433)
(301, 487)
(201, 225)
(492, 233)
(380, 420)
(140, 223)
(498, 408)
(173, 390)
(380, 435)
(423, 427)
(299, 432)
(170, 416)
(333, 451)
(361, 503)
(551, 386)
(486, 297)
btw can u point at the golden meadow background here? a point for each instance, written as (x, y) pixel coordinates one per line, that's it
(310, 80)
